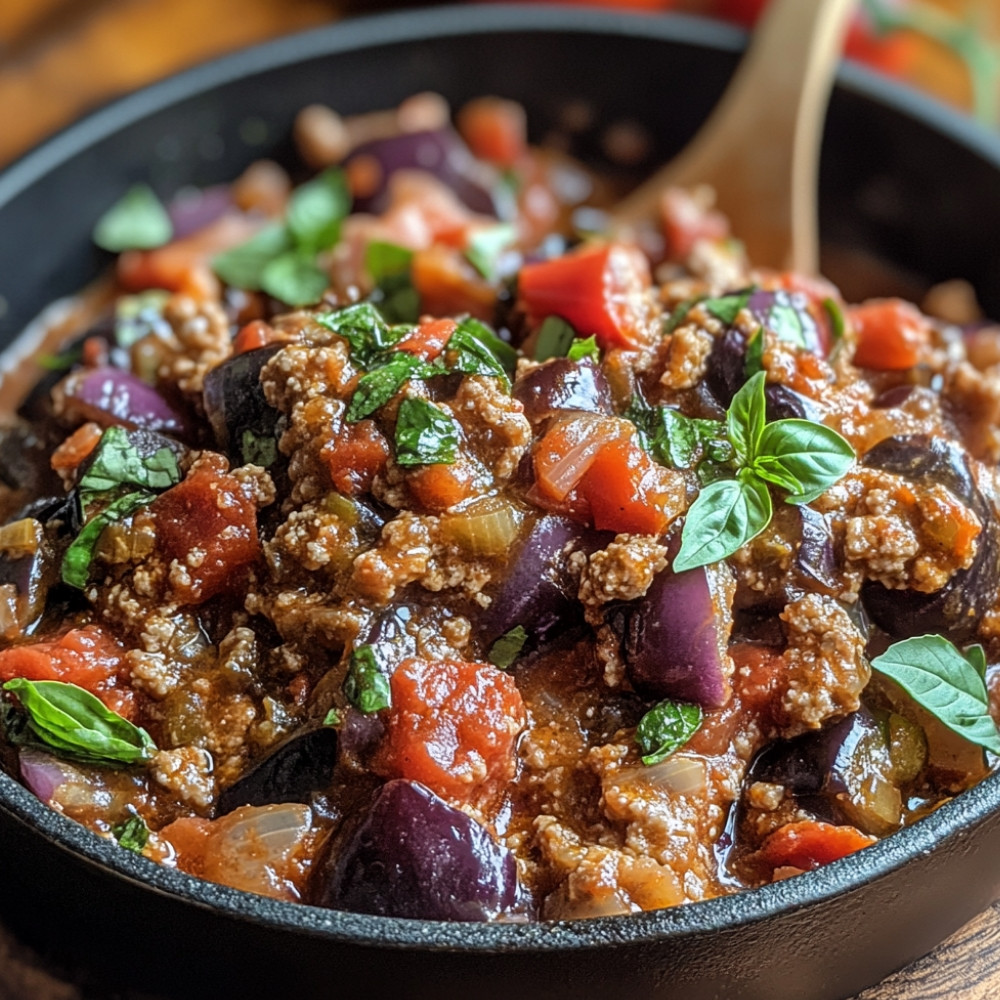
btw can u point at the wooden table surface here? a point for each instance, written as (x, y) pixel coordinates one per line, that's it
(59, 58)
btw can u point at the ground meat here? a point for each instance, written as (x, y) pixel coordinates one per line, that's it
(201, 340)
(622, 571)
(687, 351)
(826, 669)
(187, 772)
(494, 423)
(312, 539)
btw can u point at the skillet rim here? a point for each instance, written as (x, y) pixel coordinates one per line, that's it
(930, 835)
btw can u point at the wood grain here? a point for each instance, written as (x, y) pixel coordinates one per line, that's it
(60, 58)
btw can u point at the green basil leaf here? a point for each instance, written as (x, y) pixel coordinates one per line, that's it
(76, 725)
(555, 337)
(803, 457)
(78, 557)
(471, 350)
(387, 260)
(938, 677)
(378, 386)
(132, 834)
(137, 221)
(725, 516)
(728, 307)
(754, 359)
(508, 647)
(316, 210)
(838, 324)
(584, 348)
(117, 462)
(500, 349)
(681, 442)
(788, 323)
(365, 330)
(425, 434)
(746, 417)
(137, 316)
(666, 728)
(487, 246)
(366, 687)
(243, 265)
(394, 295)
(680, 313)
(258, 449)
(976, 656)
(294, 278)
(333, 718)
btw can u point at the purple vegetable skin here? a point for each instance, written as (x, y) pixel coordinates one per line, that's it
(538, 593)
(674, 637)
(192, 210)
(561, 385)
(113, 396)
(416, 856)
(440, 152)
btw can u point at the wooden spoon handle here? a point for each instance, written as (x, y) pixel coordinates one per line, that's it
(760, 147)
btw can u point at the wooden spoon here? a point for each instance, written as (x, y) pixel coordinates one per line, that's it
(759, 149)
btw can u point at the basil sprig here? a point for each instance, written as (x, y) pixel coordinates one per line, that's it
(801, 457)
(137, 221)
(946, 682)
(281, 258)
(425, 434)
(75, 725)
(366, 687)
(666, 728)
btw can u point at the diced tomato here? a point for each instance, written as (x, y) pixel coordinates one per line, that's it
(188, 837)
(810, 844)
(76, 447)
(256, 334)
(599, 290)
(208, 524)
(428, 339)
(449, 285)
(439, 486)
(87, 657)
(894, 52)
(452, 726)
(891, 334)
(356, 456)
(685, 222)
(495, 129)
(185, 264)
(626, 490)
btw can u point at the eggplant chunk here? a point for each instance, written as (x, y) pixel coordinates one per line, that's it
(416, 856)
(957, 608)
(560, 385)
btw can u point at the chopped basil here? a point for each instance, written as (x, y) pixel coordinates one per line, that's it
(295, 278)
(473, 349)
(378, 386)
(802, 457)
(366, 687)
(584, 348)
(946, 683)
(333, 718)
(75, 725)
(316, 210)
(666, 728)
(425, 434)
(281, 258)
(555, 337)
(370, 337)
(792, 325)
(80, 554)
(137, 221)
(679, 314)
(728, 307)
(676, 440)
(389, 266)
(258, 449)
(243, 265)
(132, 834)
(117, 462)
(508, 647)
(754, 358)
(487, 246)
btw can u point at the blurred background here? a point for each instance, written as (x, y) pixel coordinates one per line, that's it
(60, 58)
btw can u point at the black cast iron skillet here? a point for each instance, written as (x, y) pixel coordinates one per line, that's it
(901, 178)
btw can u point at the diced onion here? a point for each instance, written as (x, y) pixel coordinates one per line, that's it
(487, 527)
(21, 538)
(680, 774)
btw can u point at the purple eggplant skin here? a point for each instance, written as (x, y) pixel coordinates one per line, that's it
(440, 152)
(415, 856)
(538, 592)
(32, 575)
(783, 404)
(726, 369)
(560, 385)
(674, 638)
(787, 314)
(291, 772)
(957, 608)
(236, 407)
(815, 559)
